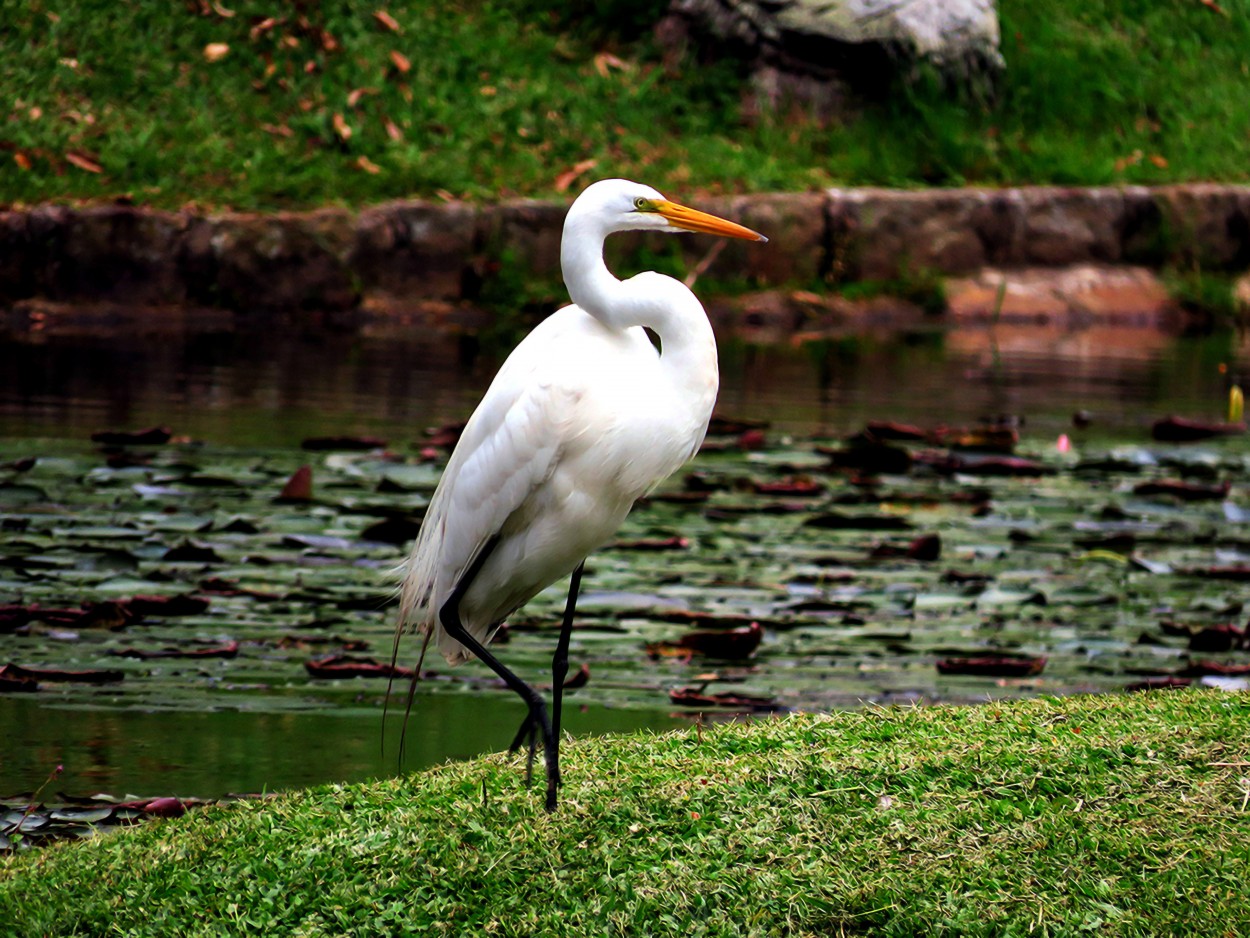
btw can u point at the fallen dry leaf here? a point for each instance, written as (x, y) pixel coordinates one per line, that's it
(216, 51)
(387, 21)
(1158, 160)
(606, 61)
(401, 62)
(341, 128)
(21, 159)
(393, 131)
(366, 164)
(35, 113)
(565, 179)
(263, 27)
(84, 162)
(278, 130)
(353, 98)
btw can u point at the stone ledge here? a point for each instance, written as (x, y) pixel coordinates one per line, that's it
(409, 253)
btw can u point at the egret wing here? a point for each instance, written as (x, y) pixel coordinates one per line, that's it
(509, 448)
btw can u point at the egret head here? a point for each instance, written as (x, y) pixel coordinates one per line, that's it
(621, 205)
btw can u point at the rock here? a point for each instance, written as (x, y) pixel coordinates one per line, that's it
(816, 51)
(882, 234)
(1075, 296)
(1206, 224)
(285, 261)
(794, 224)
(116, 252)
(1070, 226)
(1241, 294)
(431, 262)
(525, 234)
(417, 250)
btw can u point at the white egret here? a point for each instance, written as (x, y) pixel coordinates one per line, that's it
(584, 417)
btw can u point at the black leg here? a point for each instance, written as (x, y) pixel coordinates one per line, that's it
(449, 616)
(559, 671)
(560, 662)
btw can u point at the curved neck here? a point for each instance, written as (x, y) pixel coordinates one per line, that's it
(590, 284)
(688, 345)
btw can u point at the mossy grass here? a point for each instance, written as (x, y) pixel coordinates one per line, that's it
(257, 104)
(1110, 815)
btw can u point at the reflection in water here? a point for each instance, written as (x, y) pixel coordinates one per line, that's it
(279, 385)
(211, 754)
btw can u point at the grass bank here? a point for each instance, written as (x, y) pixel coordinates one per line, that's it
(266, 104)
(1116, 815)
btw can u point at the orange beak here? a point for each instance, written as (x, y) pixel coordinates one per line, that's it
(693, 220)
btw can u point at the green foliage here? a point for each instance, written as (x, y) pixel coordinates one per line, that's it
(1120, 815)
(316, 104)
(1201, 291)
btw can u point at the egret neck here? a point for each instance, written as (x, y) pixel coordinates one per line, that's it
(651, 300)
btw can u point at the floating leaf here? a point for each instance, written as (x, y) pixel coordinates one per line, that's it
(299, 486)
(730, 644)
(993, 666)
(1182, 430)
(149, 437)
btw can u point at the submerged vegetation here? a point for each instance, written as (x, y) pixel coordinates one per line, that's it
(262, 104)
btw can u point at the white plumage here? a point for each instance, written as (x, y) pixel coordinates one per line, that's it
(584, 417)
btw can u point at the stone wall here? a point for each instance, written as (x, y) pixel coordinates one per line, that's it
(405, 254)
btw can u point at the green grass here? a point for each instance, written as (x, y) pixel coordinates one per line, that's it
(1116, 815)
(501, 96)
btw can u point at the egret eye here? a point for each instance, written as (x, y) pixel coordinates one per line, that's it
(641, 204)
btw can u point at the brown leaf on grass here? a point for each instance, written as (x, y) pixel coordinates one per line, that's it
(1125, 162)
(386, 21)
(354, 96)
(22, 160)
(606, 61)
(401, 62)
(566, 178)
(1159, 160)
(366, 164)
(264, 26)
(1214, 7)
(328, 41)
(216, 51)
(341, 128)
(84, 162)
(392, 130)
(278, 130)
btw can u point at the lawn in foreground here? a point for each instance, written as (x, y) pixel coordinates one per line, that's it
(1112, 815)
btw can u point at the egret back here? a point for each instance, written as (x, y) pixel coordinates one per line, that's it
(579, 423)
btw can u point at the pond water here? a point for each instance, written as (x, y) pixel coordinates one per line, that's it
(1030, 566)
